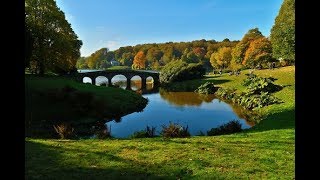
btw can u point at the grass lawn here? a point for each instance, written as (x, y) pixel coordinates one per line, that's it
(118, 67)
(265, 152)
(119, 97)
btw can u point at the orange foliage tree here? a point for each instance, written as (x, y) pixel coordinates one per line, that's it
(139, 61)
(259, 52)
(200, 52)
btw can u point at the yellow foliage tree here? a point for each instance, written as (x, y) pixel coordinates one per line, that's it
(139, 61)
(221, 58)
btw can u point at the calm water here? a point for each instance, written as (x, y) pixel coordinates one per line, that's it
(198, 112)
(185, 108)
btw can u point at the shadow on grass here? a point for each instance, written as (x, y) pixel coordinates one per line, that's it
(280, 120)
(64, 162)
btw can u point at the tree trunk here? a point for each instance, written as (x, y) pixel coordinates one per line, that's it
(41, 68)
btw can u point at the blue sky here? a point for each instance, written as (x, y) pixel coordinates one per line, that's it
(116, 23)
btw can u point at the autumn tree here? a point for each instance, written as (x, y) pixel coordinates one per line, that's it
(51, 41)
(94, 60)
(240, 49)
(221, 58)
(259, 52)
(200, 52)
(283, 32)
(139, 61)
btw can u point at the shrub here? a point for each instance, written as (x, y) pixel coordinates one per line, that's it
(206, 88)
(251, 101)
(147, 133)
(174, 130)
(179, 71)
(256, 85)
(247, 100)
(257, 93)
(226, 93)
(228, 128)
(65, 131)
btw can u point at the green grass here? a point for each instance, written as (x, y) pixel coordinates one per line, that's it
(264, 155)
(119, 97)
(264, 152)
(119, 67)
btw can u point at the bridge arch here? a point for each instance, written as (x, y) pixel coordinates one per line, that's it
(87, 79)
(136, 81)
(101, 80)
(119, 80)
(149, 82)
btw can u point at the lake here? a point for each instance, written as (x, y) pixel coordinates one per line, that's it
(198, 112)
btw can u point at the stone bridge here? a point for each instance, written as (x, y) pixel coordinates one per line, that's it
(109, 74)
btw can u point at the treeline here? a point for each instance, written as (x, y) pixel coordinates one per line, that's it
(254, 49)
(156, 55)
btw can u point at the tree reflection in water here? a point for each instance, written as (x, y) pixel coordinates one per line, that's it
(185, 98)
(194, 99)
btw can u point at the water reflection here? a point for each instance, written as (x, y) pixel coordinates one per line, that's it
(101, 81)
(119, 81)
(185, 98)
(198, 112)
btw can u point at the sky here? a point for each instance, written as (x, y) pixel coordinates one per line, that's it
(118, 23)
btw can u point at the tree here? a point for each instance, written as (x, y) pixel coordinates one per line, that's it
(154, 54)
(127, 59)
(283, 32)
(179, 71)
(139, 61)
(221, 58)
(28, 46)
(226, 40)
(94, 60)
(240, 49)
(104, 64)
(110, 55)
(51, 41)
(259, 52)
(82, 63)
(200, 52)
(156, 65)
